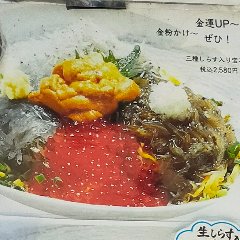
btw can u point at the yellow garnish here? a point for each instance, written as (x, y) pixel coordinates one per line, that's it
(4, 168)
(170, 78)
(18, 183)
(214, 185)
(174, 80)
(201, 188)
(15, 84)
(2, 174)
(144, 154)
(210, 187)
(227, 118)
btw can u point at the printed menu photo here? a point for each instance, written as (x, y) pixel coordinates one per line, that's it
(123, 114)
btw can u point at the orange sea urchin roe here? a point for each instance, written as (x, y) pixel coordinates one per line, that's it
(85, 89)
(98, 163)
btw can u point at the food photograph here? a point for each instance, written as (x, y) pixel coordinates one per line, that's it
(119, 129)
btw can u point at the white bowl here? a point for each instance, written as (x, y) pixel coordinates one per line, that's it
(99, 212)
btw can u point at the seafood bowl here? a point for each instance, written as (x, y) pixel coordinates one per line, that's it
(103, 130)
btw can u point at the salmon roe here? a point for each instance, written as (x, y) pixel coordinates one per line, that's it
(97, 163)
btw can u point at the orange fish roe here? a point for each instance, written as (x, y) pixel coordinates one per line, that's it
(98, 163)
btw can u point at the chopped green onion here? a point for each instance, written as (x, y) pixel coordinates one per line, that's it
(110, 58)
(4, 168)
(233, 150)
(40, 178)
(6, 183)
(218, 103)
(77, 56)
